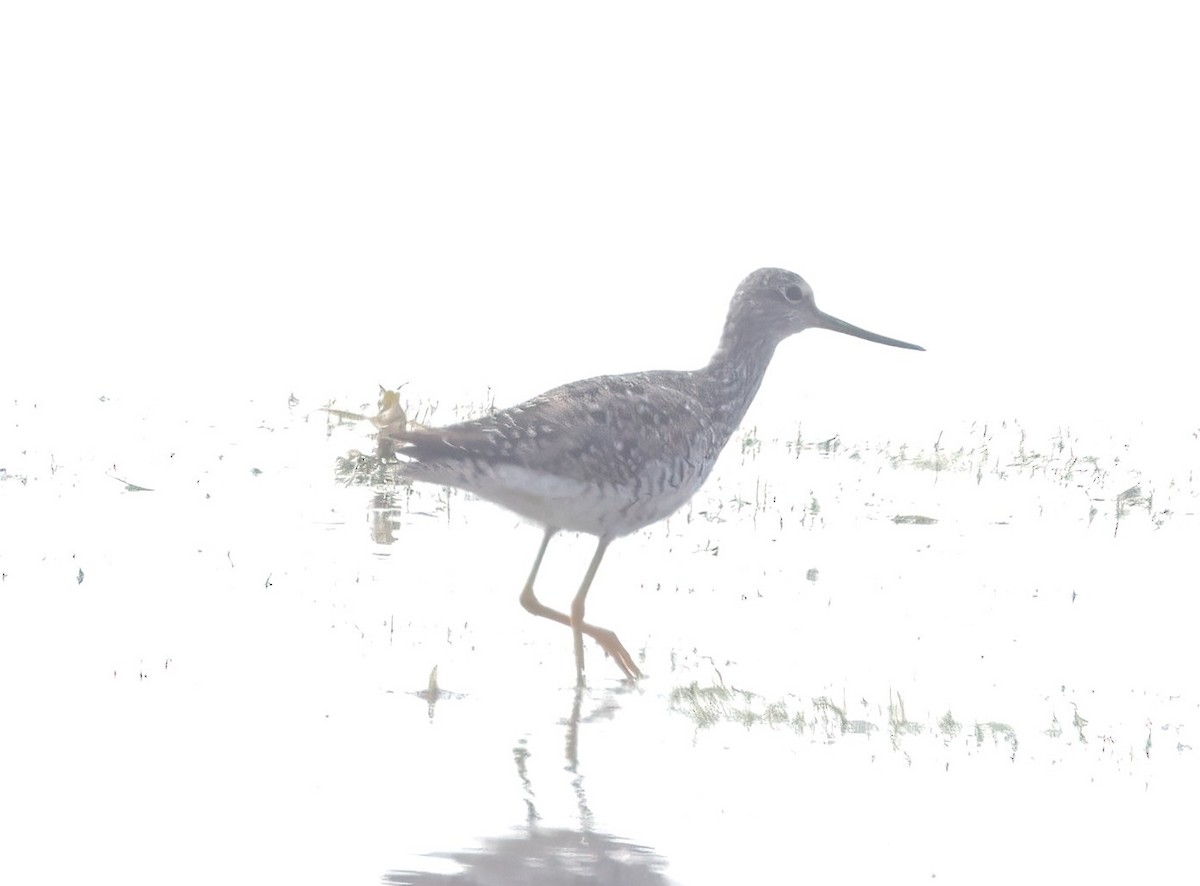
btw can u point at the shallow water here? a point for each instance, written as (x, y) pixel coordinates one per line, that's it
(967, 657)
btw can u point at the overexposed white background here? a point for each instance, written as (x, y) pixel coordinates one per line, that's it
(210, 198)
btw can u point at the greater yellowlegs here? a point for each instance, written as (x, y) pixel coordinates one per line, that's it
(609, 455)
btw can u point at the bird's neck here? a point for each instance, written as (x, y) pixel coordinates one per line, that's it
(734, 373)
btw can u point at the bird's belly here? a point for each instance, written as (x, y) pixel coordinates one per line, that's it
(599, 508)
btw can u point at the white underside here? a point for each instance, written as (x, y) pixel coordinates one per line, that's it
(565, 503)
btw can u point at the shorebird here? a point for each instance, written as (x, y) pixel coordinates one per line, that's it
(609, 455)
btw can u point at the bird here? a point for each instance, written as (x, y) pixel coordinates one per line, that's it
(609, 455)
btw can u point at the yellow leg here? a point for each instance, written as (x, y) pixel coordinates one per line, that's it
(607, 639)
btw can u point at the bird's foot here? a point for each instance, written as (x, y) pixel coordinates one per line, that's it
(616, 651)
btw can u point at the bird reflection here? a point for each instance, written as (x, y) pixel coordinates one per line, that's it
(534, 855)
(545, 857)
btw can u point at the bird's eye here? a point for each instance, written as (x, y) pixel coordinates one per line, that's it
(793, 293)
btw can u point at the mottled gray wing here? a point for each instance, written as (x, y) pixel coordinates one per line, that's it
(606, 428)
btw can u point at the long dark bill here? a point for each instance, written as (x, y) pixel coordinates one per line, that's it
(824, 321)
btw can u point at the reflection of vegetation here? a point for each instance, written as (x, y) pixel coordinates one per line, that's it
(129, 487)
(385, 511)
(830, 713)
(707, 705)
(828, 447)
(1078, 722)
(822, 719)
(949, 726)
(899, 722)
(1055, 728)
(1133, 498)
(1006, 452)
(433, 693)
(361, 469)
(751, 444)
(1000, 732)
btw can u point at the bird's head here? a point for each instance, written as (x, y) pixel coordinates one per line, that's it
(772, 304)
